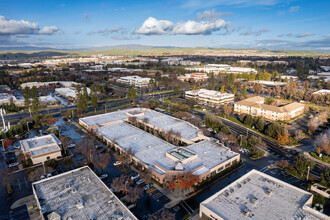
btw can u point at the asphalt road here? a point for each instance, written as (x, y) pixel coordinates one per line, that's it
(271, 145)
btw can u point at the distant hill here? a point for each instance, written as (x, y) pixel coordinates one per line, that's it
(145, 50)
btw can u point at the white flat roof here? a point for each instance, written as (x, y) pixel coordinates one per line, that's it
(41, 145)
(152, 150)
(162, 121)
(249, 193)
(79, 194)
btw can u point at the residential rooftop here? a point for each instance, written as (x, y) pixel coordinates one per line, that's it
(79, 194)
(258, 102)
(259, 196)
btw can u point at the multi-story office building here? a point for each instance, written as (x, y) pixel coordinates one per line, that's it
(194, 77)
(210, 97)
(255, 106)
(136, 81)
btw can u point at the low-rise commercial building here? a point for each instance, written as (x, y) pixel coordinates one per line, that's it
(210, 97)
(322, 92)
(197, 77)
(259, 196)
(193, 153)
(41, 84)
(69, 93)
(78, 194)
(255, 106)
(40, 149)
(136, 81)
(269, 83)
(222, 68)
(6, 98)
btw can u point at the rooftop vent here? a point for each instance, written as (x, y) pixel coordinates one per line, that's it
(226, 194)
(254, 200)
(80, 205)
(238, 185)
(231, 190)
(248, 179)
(244, 182)
(268, 191)
(246, 212)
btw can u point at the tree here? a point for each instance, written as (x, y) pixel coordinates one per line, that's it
(325, 178)
(248, 120)
(116, 184)
(212, 81)
(35, 106)
(65, 143)
(164, 215)
(244, 91)
(131, 94)
(176, 90)
(257, 88)
(260, 124)
(94, 101)
(322, 143)
(301, 163)
(272, 129)
(283, 135)
(51, 163)
(182, 115)
(133, 194)
(227, 109)
(68, 161)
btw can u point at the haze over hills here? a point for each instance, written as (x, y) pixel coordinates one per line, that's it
(147, 50)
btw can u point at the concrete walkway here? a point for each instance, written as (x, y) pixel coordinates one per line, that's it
(22, 201)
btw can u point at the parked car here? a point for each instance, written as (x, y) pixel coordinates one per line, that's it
(135, 176)
(49, 175)
(71, 145)
(17, 146)
(13, 164)
(42, 177)
(117, 163)
(139, 182)
(103, 176)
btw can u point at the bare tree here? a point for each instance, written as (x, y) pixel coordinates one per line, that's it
(133, 194)
(6, 178)
(116, 184)
(125, 157)
(322, 143)
(164, 215)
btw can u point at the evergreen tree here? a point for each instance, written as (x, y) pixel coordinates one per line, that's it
(212, 81)
(131, 94)
(244, 92)
(94, 101)
(260, 124)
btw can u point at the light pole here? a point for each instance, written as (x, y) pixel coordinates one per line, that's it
(30, 112)
(105, 109)
(3, 147)
(40, 131)
(43, 165)
(27, 125)
(308, 172)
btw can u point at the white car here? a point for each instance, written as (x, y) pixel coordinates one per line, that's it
(71, 145)
(117, 163)
(13, 164)
(139, 182)
(42, 177)
(135, 176)
(49, 175)
(103, 176)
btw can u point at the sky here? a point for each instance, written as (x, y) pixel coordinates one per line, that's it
(237, 24)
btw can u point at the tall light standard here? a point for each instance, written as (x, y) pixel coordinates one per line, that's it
(308, 172)
(40, 131)
(27, 125)
(30, 112)
(3, 147)
(105, 108)
(43, 164)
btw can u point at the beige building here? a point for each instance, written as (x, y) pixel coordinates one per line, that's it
(259, 196)
(255, 106)
(40, 149)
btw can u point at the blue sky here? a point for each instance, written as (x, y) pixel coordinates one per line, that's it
(269, 24)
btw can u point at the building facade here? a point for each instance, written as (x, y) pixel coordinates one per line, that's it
(255, 106)
(210, 97)
(41, 149)
(136, 81)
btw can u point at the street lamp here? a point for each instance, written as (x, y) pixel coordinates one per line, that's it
(3, 147)
(40, 132)
(27, 125)
(105, 109)
(308, 172)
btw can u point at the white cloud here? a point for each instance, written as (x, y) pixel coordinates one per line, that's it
(211, 15)
(241, 3)
(107, 31)
(255, 33)
(307, 34)
(14, 27)
(203, 27)
(152, 26)
(49, 30)
(294, 8)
